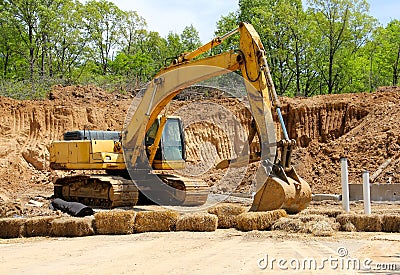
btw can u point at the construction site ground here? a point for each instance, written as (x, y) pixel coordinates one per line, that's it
(361, 127)
(225, 251)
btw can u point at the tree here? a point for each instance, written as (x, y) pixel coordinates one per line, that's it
(103, 21)
(225, 25)
(343, 27)
(174, 45)
(24, 17)
(69, 41)
(390, 39)
(190, 39)
(8, 46)
(132, 24)
(31, 22)
(274, 21)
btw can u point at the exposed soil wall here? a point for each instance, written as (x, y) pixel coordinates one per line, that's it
(362, 127)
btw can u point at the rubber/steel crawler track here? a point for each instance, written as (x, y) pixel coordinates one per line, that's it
(110, 191)
(195, 190)
(97, 190)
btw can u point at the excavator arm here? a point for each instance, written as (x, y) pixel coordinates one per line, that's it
(278, 185)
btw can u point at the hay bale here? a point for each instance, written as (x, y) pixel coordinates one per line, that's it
(348, 227)
(115, 222)
(72, 227)
(366, 223)
(39, 226)
(259, 220)
(227, 214)
(156, 221)
(12, 228)
(288, 224)
(391, 223)
(197, 222)
(9, 209)
(313, 217)
(317, 225)
(332, 213)
(322, 228)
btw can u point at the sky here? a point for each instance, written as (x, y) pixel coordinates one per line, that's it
(164, 16)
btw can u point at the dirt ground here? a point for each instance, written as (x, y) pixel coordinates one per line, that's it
(220, 252)
(362, 127)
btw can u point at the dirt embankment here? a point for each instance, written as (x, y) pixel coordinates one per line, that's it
(27, 127)
(362, 127)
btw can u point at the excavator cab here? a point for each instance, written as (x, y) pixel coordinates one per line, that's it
(170, 151)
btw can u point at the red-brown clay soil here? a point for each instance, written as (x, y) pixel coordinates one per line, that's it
(362, 127)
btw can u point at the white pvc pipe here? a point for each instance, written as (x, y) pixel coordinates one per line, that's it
(366, 193)
(345, 185)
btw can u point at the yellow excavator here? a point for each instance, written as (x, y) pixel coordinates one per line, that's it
(152, 144)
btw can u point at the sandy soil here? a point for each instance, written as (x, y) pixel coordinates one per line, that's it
(220, 252)
(362, 127)
(225, 251)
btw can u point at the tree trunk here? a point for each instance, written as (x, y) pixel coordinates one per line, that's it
(396, 69)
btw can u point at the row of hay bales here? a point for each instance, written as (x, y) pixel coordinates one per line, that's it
(221, 216)
(327, 222)
(129, 222)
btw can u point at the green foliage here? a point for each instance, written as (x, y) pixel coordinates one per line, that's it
(225, 25)
(26, 89)
(190, 39)
(327, 46)
(174, 45)
(387, 54)
(72, 42)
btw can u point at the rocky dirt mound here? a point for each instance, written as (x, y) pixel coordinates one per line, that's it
(366, 131)
(27, 127)
(362, 127)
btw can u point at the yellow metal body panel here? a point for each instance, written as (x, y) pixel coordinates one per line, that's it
(93, 155)
(168, 165)
(86, 155)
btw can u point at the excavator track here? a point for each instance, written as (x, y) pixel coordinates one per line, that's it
(195, 190)
(109, 191)
(105, 191)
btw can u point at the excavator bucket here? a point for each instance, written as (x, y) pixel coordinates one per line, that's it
(289, 192)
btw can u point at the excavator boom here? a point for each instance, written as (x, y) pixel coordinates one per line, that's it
(277, 183)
